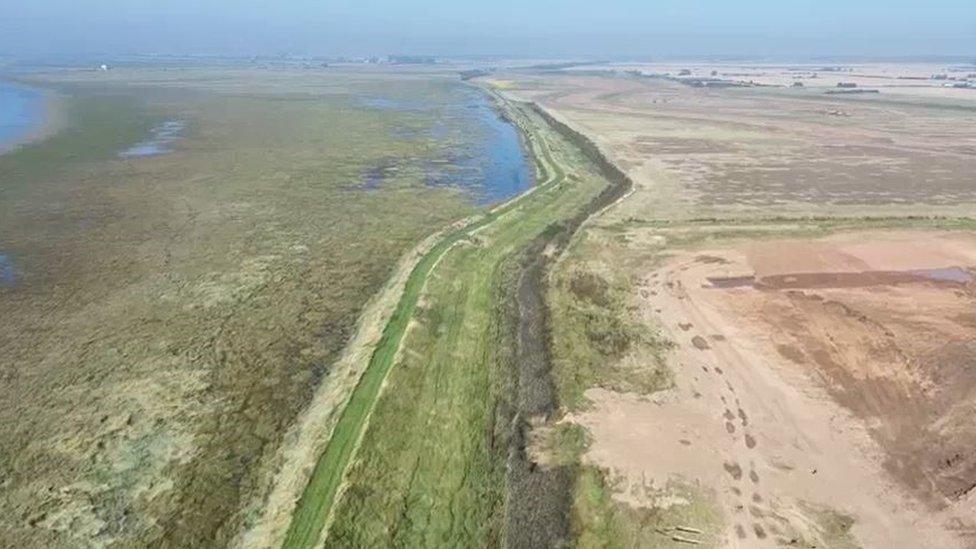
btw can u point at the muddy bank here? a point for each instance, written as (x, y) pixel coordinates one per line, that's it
(540, 497)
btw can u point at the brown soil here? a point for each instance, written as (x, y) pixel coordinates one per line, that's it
(846, 380)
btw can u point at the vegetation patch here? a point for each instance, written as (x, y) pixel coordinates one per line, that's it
(683, 512)
(597, 339)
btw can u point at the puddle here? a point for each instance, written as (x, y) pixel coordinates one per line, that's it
(732, 282)
(7, 273)
(375, 176)
(161, 137)
(21, 113)
(945, 275)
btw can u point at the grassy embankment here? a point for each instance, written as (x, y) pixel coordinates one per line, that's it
(426, 459)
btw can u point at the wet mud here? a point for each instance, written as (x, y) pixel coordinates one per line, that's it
(797, 281)
(540, 496)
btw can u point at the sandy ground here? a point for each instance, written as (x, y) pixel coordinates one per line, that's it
(696, 153)
(845, 390)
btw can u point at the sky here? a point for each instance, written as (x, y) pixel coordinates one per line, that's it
(533, 28)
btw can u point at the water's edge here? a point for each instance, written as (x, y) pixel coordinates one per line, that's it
(25, 114)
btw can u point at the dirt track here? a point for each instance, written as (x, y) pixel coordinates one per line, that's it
(798, 402)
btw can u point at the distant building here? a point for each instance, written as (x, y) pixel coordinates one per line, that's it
(684, 72)
(103, 67)
(846, 85)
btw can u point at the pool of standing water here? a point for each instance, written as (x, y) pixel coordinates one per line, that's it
(483, 155)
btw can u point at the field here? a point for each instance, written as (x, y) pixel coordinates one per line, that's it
(169, 317)
(768, 342)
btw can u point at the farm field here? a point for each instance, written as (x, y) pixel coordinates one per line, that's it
(768, 342)
(183, 264)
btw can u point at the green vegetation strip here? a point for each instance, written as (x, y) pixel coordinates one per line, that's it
(313, 509)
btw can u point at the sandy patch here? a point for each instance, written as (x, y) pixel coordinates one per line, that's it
(838, 396)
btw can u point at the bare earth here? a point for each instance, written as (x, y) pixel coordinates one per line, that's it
(696, 153)
(850, 387)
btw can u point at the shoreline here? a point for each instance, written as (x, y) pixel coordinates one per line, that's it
(50, 118)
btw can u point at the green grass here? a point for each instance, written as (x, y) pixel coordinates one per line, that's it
(429, 469)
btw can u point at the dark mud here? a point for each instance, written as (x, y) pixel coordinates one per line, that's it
(952, 276)
(540, 496)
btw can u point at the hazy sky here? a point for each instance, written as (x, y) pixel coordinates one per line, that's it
(490, 27)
